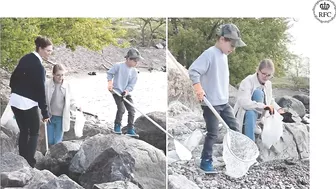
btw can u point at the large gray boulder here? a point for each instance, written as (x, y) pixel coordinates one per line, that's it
(62, 181)
(176, 108)
(304, 99)
(177, 181)
(116, 185)
(16, 172)
(8, 140)
(109, 166)
(149, 163)
(288, 102)
(294, 143)
(17, 178)
(149, 132)
(58, 159)
(40, 158)
(40, 178)
(182, 122)
(180, 86)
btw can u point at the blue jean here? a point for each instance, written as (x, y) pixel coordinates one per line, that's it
(251, 116)
(226, 112)
(55, 130)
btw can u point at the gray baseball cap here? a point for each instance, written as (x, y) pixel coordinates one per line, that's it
(232, 32)
(133, 53)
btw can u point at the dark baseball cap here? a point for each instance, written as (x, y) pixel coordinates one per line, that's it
(232, 32)
(133, 53)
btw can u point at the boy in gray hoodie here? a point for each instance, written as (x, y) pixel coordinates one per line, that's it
(122, 78)
(209, 74)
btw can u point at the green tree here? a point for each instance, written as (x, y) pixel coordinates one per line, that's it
(265, 38)
(299, 71)
(18, 35)
(147, 30)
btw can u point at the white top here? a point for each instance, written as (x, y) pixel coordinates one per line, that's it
(245, 102)
(22, 102)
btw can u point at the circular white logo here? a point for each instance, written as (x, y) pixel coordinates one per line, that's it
(324, 11)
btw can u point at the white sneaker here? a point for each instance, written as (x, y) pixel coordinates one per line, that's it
(257, 130)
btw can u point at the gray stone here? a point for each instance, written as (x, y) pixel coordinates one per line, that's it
(180, 86)
(180, 182)
(58, 159)
(176, 108)
(39, 157)
(148, 132)
(12, 162)
(16, 172)
(292, 103)
(305, 99)
(15, 178)
(8, 140)
(109, 166)
(40, 178)
(116, 185)
(62, 181)
(294, 143)
(150, 163)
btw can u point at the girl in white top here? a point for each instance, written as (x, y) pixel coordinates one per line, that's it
(60, 101)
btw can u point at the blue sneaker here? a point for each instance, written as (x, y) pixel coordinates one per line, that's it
(117, 128)
(131, 132)
(207, 167)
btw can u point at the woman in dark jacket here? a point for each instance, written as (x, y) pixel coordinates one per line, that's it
(28, 93)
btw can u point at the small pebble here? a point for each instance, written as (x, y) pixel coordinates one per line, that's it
(214, 183)
(199, 180)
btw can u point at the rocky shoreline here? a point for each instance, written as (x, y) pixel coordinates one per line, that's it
(284, 166)
(99, 159)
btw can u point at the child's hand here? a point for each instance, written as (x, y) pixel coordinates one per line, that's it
(199, 91)
(110, 85)
(125, 93)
